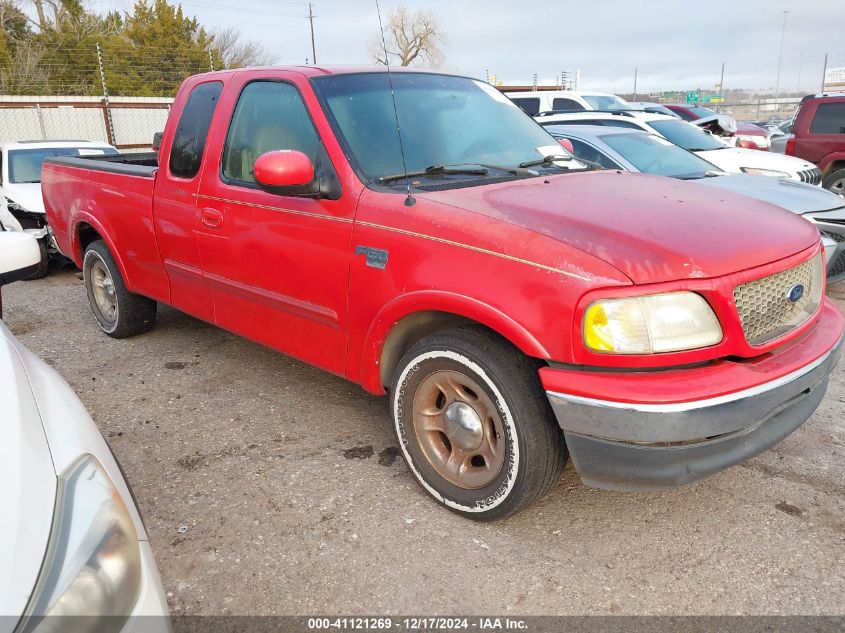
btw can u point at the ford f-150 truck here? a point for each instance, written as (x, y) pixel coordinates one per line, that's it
(419, 235)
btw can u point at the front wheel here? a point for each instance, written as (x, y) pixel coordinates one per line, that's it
(474, 425)
(119, 313)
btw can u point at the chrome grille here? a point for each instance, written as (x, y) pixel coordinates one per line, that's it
(812, 176)
(765, 309)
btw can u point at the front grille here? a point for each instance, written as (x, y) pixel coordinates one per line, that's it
(812, 176)
(765, 308)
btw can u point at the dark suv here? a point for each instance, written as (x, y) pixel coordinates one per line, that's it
(818, 135)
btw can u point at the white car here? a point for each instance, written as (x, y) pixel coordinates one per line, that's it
(71, 540)
(729, 159)
(21, 207)
(539, 101)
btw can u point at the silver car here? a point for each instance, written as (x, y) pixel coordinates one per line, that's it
(634, 150)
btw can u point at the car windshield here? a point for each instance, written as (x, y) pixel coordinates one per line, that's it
(445, 120)
(25, 164)
(654, 155)
(687, 136)
(606, 102)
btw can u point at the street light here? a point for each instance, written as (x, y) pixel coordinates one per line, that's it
(780, 58)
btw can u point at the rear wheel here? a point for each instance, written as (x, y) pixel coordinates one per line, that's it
(119, 313)
(835, 182)
(474, 425)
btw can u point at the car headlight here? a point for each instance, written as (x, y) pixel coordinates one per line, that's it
(668, 322)
(756, 140)
(756, 171)
(92, 569)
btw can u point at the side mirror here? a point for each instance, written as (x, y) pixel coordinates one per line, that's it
(19, 258)
(286, 172)
(157, 141)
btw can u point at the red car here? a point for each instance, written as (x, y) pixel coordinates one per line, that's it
(817, 134)
(748, 135)
(516, 306)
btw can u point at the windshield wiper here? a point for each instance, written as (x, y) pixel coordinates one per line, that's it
(436, 170)
(546, 160)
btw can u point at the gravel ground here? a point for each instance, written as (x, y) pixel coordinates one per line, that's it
(295, 501)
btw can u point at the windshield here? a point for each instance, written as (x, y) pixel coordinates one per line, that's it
(654, 155)
(25, 164)
(687, 136)
(444, 121)
(606, 102)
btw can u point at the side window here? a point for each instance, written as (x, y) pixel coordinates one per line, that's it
(270, 115)
(588, 152)
(529, 105)
(566, 104)
(189, 140)
(829, 119)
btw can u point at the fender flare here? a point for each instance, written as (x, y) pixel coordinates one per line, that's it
(83, 217)
(830, 159)
(437, 301)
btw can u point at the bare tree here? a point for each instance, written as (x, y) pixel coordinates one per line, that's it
(230, 50)
(411, 37)
(24, 74)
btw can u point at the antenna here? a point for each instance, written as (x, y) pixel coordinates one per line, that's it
(409, 200)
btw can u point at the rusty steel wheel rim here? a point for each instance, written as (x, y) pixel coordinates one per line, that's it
(459, 429)
(104, 292)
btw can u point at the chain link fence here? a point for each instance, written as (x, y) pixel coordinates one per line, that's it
(128, 123)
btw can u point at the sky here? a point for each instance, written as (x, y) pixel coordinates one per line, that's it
(675, 45)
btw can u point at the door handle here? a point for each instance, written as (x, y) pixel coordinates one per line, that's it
(212, 218)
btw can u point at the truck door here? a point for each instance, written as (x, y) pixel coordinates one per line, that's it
(175, 199)
(278, 265)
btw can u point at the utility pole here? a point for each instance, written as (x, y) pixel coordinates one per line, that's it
(800, 68)
(824, 72)
(721, 88)
(780, 57)
(635, 83)
(311, 17)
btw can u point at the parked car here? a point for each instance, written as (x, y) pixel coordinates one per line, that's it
(654, 108)
(534, 103)
(634, 150)
(694, 139)
(510, 305)
(74, 548)
(748, 135)
(817, 134)
(21, 207)
(779, 135)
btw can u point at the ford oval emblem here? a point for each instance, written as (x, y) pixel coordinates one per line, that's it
(794, 294)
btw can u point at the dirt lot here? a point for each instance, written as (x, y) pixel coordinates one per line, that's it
(295, 502)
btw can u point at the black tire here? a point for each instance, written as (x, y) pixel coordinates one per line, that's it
(535, 453)
(43, 265)
(133, 314)
(835, 181)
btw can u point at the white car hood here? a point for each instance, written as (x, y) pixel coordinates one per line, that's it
(28, 490)
(797, 197)
(27, 195)
(731, 159)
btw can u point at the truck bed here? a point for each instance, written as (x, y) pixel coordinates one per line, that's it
(108, 197)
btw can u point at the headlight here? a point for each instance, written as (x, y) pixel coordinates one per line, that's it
(667, 322)
(756, 171)
(92, 569)
(754, 139)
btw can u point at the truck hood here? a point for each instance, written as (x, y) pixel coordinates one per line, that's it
(652, 229)
(28, 491)
(27, 195)
(791, 195)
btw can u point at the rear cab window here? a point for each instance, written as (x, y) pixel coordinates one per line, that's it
(566, 104)
(829, 119)
(191, 133)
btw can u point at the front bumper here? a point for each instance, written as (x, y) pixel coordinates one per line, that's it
(654, 441)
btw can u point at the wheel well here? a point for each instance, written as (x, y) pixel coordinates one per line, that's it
(413, 328)
(87, 234)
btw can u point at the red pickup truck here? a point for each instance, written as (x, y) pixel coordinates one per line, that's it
(517, 308)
